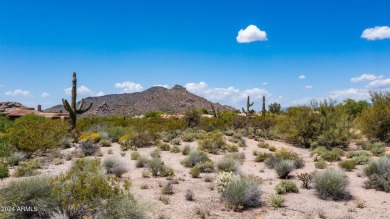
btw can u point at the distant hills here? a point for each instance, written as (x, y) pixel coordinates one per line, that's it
(174, 100)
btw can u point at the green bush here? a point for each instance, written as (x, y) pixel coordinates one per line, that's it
(263, 145)
(329, 155)
(28, 168)
(156, 153)
(5, 150)
(287, 154)
(195, 171)
(360, 157)
(84, 189)
(276, 201)
(192, 118)
(378, 149)
(3, 171)
(271, 161)
(164, 146)
(5, 122)
(175, 149)
(194, 158)
(186, 150)
(320, 164)
(228, 164)
(284, 167)
(105, 143)
(378, 173)
(176, 141)
(31, 133)
(124, 206)
(157, 168)
(167, 189)
(135, 155)
(188, 136)
(348, 165)
(89, 148)
(261, 157)
(206, 167)
(114, 166)
(331, 184)
(34, 193)
(142, 162)
(286, 186)
(115, 132)
(241, 192)
(15, 158)
(212, 142)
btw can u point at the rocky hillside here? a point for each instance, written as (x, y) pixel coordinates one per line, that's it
(174, 100)
(7, 106)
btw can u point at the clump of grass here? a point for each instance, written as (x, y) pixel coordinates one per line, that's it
(156, 153)
(261, 157)
(263, 145)
(135, 155)
(378, 149)
(4, 172)
(114, 166)
(329, 155)
(331, 184)
(105, 143)
(167, 189)
(194, 158)
(360, 157)
(195, 172)
(284, 167)
(208, 179)
(175, 141)
(89, 148)
(347, 165)
(228, 164)
(164, 146)
(186, 150)
(144, 186)
(142, 162)
(320, 164)
(175, 149)
(212, 142)
(146, 173)
(286, 186)
(276, 201)
(28, 168)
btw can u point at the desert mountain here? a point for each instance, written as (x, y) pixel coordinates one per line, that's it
(174, 100)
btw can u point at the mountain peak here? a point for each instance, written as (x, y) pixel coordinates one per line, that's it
(179, 87)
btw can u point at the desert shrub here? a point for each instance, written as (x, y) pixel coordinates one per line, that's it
(231, 147)
(5, 122)
(287, 154)
(5, 150)
(192, 118)
(114, 166)
(276, 201)
(331, 184)
(206, 167)
(360, 157)
(124, 206)
(223, 179)
(320, 164)
(143, 139)
(156, 153)
(239, 122)
(142, 162)
(15, 158)
(263, 145)
(284, 167)
(306, 179)
(28, 168)
(175, 149)
(176, 141)
(31, 133)
(134, 155)
(328, 155)
(66, 142)
(228, 164)
(375, 121)
(105, 143)
(146, 173)
(188, 136)
(241, 192)
(194, 158)
(115, 132)
(4, 172)
(157, 168)
(164, 146)
(167, 189)
(34, 193)
(83, 190)
(378, 173)
(89, 148)
(189, 195)
(378, 149)
(348, 165)
(186, 150)
(167, 171)
(212, 142)
(195, 172)
(261, 157)
(271, 161)
(89, 136)
(229, 132)
(286, 186)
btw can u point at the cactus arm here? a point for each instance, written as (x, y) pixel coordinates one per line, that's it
(81, 111)
(66, 105)
(81, 104)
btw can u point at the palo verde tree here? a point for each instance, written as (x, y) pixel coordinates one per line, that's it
(74, 109)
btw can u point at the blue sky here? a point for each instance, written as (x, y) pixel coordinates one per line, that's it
(290, 51)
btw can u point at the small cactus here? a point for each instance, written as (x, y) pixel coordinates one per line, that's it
(73, 109)
(248, 111)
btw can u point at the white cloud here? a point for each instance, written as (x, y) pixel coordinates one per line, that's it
(230, 95)
(301, 77)
(357, 94)
(45, 94)
(99, 94)
(251, 34)
(129, 87)
(18, 92)
(265, 83)
(308, 87)
(366, 77)
(379, 84)
(82, 90)
(159, 85)
(376, 33)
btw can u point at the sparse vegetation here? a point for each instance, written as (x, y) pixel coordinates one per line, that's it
(276, 201)
(286, 186)
(331, 184)
(378, 173)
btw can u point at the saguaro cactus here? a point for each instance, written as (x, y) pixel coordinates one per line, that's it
(263, 109)
(73, 109)
(248, 111)
(216, 113)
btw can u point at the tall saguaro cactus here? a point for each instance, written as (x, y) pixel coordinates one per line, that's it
(248, 111)
(73, 109)
(263, 108)
(216, 113)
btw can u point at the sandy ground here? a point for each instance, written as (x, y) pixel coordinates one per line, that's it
(304, 204)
